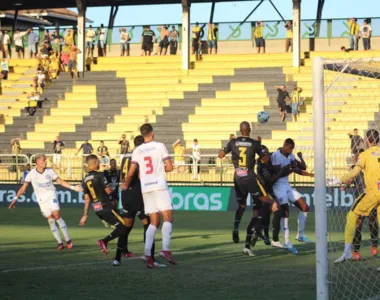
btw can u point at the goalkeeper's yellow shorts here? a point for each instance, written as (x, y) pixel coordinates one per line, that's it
(365, 203)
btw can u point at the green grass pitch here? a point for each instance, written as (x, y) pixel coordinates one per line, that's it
(210, 265)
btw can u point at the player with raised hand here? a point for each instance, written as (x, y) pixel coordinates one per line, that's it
(152, 160)
(244, 151)
(42, 179)
(284, 193)
(369, 164)
(98, 193)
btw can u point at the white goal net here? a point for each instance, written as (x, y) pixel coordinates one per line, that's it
(350, 96)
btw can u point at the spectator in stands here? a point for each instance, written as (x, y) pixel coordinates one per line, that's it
(101, 40)
(354, 33)
(296, 100)
(25, 173)
(195, 156)
(102, 152)
(54, 65)
(212, 38)
(356, 144)
(72, 65)
(174, 35)
(124, 42)
(196, 36)
(86, 147)
(69, 37)
(17, 37)
(6, 44)
(289, 36)
(259, 37)
(365, 33)
(90, 34)
(31, 109)
(179, 158)
(40, 81)
(124, 146)
(47, 37)
(164, 42)
(2, 42)
(4, 68)
(282, 98)
(16, 150)
(33, 40)
(58, 146)
(65, 57)
(56, 38)
(148, 37)
(45, 50)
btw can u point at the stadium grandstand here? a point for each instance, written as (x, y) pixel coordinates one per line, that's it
(184, 97)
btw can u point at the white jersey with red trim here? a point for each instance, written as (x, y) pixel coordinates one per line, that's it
(151, 158)
(42, 183)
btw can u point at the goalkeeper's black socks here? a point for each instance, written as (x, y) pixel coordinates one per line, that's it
(238, 215)
(276, 223)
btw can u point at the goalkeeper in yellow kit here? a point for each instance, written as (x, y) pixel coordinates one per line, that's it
(369, 163)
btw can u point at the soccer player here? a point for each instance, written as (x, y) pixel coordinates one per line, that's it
(98, 193)
(152, 160)
(113, 176)
(369, 163)
(244, 150)
(133, 203)
(373, 229)
(42, 179)
(284, 193)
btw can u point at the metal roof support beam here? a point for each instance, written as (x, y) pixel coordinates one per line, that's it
(247, 17)
(14, 22)
(185, 35)
(321, 3)
(296, 33)
(278, 12)
(212, 11)
(81, 5)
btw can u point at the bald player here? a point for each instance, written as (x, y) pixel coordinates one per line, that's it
(244, 151)
(98, 193)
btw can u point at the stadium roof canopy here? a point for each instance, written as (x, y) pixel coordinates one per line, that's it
(42, 4)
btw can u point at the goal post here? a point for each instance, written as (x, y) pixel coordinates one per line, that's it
(320, 179)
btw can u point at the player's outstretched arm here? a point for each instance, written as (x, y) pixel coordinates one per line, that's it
(83, 220)
(349, 176)
(128, 180)
(168, 165)
(20, 192)
(65, 184)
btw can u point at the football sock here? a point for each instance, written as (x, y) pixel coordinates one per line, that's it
(302, 216)
(54, 230)
(358, 238)
(285, 229)
(266, 223)
(166, 235)
(374, 230)
(276, 225)
(63, 227)
(123, 235)
(114, 234)
(238, 215)
(349, 232)
(149, 239)
(250, 228)
(154, 242)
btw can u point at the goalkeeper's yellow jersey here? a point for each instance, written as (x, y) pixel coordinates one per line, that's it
(369, 162)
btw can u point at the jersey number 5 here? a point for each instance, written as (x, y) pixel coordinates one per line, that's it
(148, 165)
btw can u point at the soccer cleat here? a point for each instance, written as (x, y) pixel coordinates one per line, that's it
(128, 254)
(304, 239)
(168, 256)
(116, 263)
(159, 265)
(278, 245)
(248, 252)
(345, 256)
(103, 246)
(356, 255)
(60, 247)
(374, 252)
(267, 240)
(291, 248)
(150, 262)
(69, 244)
(235, 236)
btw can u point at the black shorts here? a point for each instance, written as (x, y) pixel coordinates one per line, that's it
(260, 42)
(147, 47)
(282, 106)
(164, 44)
(112, 217)
(241, 195)
(251, 185)
(5, 74)
(19, 48)
(195, 43)
(133, 204)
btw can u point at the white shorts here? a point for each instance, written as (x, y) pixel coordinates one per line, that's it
(57, 158)
(285, 194)
(48, 207)
(157, 201)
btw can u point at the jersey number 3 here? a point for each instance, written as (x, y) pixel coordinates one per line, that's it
(148, 165)
(243, 157)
